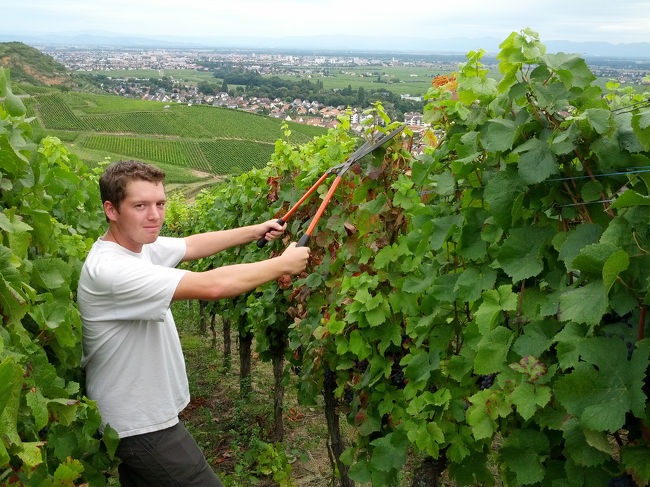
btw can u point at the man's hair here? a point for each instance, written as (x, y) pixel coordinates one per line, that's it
(112, 183)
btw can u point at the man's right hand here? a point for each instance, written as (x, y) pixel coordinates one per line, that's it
(295, 258)
(233, 280)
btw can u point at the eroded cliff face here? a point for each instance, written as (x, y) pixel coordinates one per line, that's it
(29, 65)
(46, 79)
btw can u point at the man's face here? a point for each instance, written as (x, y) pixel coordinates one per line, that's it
(140, 216)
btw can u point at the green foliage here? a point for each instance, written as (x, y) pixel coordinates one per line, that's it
(180, 153)
(56, 114)
(270, 461)
(493, 287)
(49, 217)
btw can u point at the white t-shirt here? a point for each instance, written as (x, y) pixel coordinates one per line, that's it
(132, 354)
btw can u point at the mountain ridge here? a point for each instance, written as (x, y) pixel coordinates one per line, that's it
(411, 45)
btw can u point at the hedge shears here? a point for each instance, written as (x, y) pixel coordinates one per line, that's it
(340, 170)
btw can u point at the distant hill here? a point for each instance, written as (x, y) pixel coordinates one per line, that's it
(31, 66)
(369, 44)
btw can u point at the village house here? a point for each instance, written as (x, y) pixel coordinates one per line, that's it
(413, 118)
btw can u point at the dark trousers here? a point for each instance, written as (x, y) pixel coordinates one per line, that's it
(165, 458)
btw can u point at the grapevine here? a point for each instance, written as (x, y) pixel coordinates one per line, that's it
(49, 217)
(484, 270)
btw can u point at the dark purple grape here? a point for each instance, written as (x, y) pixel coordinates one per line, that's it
(486, 381)
(397, 376)
(362, 366)
(328, 376)
(624, 480)
(348, 395)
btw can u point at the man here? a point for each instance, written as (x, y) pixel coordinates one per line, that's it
(132, 356)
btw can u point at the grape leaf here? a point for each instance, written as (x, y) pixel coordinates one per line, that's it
(520, 256)
(586, 304)
(389, 452)
(524, 451)
(605, 385)
(536, 161)
(635, 458)
(500, 194)
(500, 134)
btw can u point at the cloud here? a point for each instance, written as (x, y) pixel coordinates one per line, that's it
(596, 20)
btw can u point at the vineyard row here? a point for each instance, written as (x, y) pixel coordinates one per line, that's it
(117, 115)
(220, 157)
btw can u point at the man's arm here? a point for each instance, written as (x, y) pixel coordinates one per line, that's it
(233, 280)
(209, 243)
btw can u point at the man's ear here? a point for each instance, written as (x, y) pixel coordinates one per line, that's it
(110, 211)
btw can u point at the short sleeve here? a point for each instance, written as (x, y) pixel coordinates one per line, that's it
(142, 291)
(118, 285)
(167, 251)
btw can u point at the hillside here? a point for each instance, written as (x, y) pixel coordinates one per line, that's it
(29, 65)
(192, 143)
(200, 138)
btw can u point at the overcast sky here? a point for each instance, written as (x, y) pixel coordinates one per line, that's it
(614, 21)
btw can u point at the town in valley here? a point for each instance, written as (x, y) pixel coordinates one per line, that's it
(123, 71)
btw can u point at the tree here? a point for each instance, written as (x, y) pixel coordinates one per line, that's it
(361, 97)
(206, 88)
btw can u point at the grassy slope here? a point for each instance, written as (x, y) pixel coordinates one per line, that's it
(180, 137)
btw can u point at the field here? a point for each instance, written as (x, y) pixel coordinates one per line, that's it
(214, 141)
(401, 80)
(414, 80)
(189, 75)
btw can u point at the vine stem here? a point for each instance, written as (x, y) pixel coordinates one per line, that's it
(478, 176)
(535, 111)
(580, 207)
(521, 302)
(548, 79)
(638, 244)
(591, 176)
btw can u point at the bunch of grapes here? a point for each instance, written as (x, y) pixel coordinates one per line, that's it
(348, 395)
(328, 377)
(624, 480)
(486, 381)
(397, 376)
(362, 366)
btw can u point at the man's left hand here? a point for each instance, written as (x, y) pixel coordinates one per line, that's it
(271, 229)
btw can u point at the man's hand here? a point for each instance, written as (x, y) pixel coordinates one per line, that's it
(295, 258)
(233, 280)
(271, 230)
